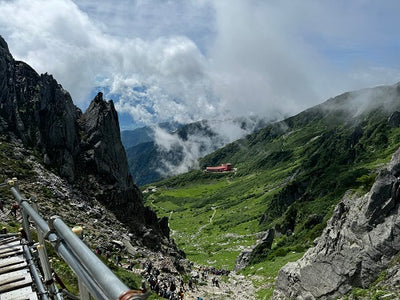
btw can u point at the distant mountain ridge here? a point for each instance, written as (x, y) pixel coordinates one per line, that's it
(152, 159)
(132, 138)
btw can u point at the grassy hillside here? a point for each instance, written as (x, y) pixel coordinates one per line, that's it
(289, 177)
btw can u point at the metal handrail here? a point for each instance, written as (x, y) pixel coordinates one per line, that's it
(106, 279)
(101, 282)
(36, 278)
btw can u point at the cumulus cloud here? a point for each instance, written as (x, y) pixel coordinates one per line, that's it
(155, 79)
(201, 59)
(285, 56)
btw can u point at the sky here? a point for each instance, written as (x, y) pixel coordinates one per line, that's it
(187, 60)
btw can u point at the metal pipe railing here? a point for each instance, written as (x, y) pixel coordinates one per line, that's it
(44, 261)
(80, 271)
(36, 278)
(91, 271)
(40, 222)
(106, 279)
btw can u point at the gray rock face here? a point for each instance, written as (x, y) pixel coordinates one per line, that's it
(359, 241)
(258, 249)
(100, 127)
(243, 260)
(39, 111)
(85, 148)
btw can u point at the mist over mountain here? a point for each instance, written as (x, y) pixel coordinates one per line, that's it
(131, 138)
(330, 167)
(171, 150)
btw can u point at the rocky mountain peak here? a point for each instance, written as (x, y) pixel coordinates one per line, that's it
(100, 129)
(84, 148)
(3, 44)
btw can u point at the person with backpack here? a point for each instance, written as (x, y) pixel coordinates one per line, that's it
(181, 294)
(14, 209)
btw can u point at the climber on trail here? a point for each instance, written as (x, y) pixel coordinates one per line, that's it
(118, 260)
(14, 209)
(190, 283)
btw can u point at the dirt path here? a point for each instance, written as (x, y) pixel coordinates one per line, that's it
(205, 225)
(234, 286)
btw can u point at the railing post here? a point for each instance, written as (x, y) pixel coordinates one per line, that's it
(26, 226)
(44, 259)
(39, 285)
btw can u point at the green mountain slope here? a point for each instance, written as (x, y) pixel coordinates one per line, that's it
(289, 176)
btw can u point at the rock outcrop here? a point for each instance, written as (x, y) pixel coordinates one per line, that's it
(85, 148)
(360, 240)
(260, 248)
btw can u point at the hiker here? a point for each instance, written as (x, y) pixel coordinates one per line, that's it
(118, 259)
(190, 283)
(181, 294)
(196, 281)
(172, 286)
(130, 267)
(216, 283)
(148, 267)
(14, 209)
(182, 284)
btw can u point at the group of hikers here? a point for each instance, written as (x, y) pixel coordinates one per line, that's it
(167, 288)
(206, 271)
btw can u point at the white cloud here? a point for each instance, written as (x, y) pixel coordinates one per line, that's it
(286, 56)
(190, 60)
(181, 154)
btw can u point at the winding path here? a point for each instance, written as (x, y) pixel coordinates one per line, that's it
(205, 225)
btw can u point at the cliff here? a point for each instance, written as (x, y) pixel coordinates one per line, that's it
(361, 240)
(85, 148)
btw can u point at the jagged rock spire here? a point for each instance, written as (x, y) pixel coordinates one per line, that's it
(84, 148)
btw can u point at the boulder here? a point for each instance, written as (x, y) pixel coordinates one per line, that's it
(260, 248)
(243, 260)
